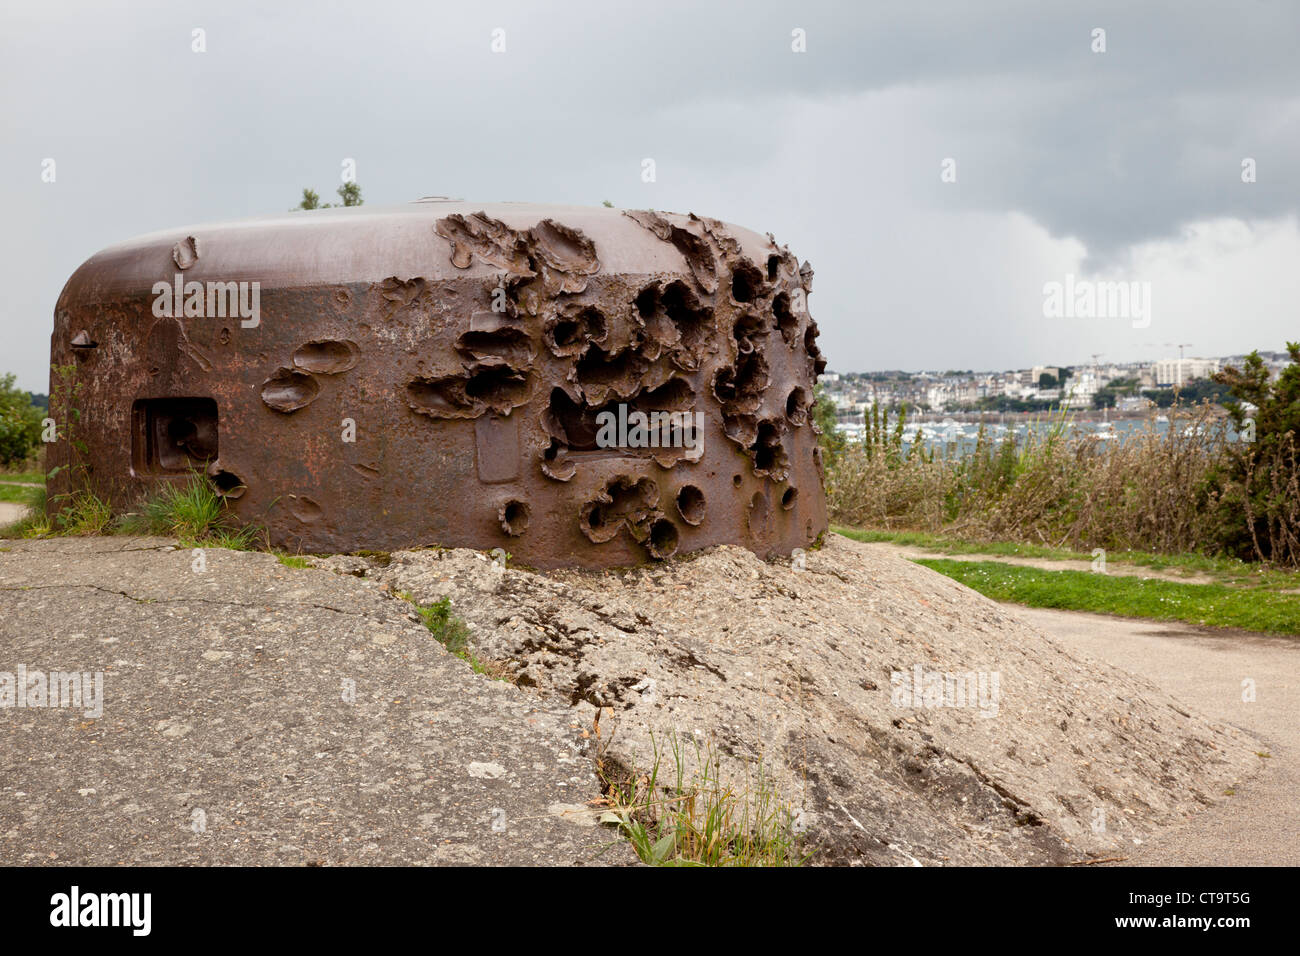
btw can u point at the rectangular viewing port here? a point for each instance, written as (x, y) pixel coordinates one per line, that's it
(173, 435)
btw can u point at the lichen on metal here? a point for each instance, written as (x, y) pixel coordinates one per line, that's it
(443, 373)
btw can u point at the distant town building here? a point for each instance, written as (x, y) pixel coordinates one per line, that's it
(1181, 371)
(1132, 403)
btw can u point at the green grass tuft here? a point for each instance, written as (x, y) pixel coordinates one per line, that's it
(451, 631)
(699, 818)
(85, 513)
(192, 512)
(447, 629)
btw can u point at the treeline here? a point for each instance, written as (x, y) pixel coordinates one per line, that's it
(21, 414)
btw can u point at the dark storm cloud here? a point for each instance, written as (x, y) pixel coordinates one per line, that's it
(1111, 149)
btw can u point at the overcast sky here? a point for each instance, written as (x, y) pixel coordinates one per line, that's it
(1123, 165)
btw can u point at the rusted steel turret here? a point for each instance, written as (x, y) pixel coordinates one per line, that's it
(457, 374)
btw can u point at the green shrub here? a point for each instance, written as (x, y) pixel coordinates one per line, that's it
(1257, 486)
(20, 424)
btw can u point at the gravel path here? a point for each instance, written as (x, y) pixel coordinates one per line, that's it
(1260, 824)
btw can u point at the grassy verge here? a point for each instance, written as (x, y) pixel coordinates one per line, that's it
(21, 494)
(193, 512)
(24, 477)
(699, 819)
(1216, 605)
(1226, 570)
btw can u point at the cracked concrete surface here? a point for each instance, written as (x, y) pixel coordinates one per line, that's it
(794, 668)
(224, 703)
(226, 737)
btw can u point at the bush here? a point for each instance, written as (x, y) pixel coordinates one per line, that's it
(20, 424)
(1259, 481)
(1149, 492)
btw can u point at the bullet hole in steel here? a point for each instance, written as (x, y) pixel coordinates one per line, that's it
(694, 249)
(568, 334)
(556, 464)
(796, 406)
(741, 429)
(768, 452)
(788, 498)
(737, 480)
(746, 281)
(224, 337)
(623, 500)
(563, 248)
(602, 374)
(739, 389)
(514, 516)
(597, 522)
(498, 387)
(691, 319)
(504, 346)
(304, 509)
(690, 504)
(482, 388)
(439, 397)
(565, 333)
(186, 252)
(400, 293)
(786, 321)
(663, 539)
(576, 425)
(562, 256)
(289, 390)
(647, 302)
(817, 360)
(747, 329)
(326, 357)
(228, 484)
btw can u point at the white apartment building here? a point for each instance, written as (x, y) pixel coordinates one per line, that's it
(1181, 371)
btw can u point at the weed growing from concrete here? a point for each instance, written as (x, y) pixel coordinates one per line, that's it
(700, 818)
(451, 631)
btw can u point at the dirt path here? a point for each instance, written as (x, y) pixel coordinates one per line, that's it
(1113, 568)
(10, 512)
(1260, 824)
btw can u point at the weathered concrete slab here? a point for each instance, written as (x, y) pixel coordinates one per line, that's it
(223, 703)
(794, 667)
(223, 693)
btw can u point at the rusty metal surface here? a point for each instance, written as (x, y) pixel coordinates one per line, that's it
(432, 374)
